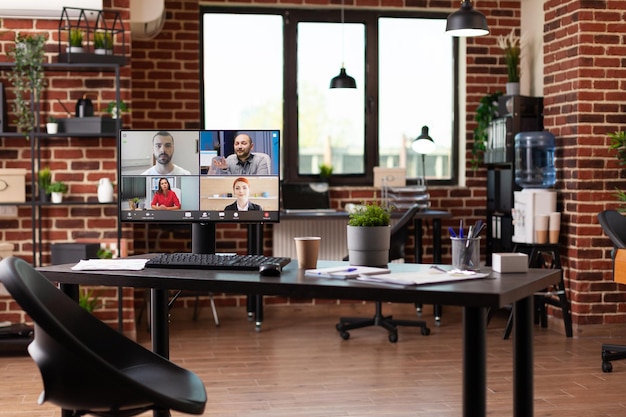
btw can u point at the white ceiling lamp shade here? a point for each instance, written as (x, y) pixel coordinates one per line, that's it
(467, 21)
(147, 18)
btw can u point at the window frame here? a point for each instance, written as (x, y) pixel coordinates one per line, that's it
(369, 18)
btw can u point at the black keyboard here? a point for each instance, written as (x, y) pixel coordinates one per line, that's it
(185, 260)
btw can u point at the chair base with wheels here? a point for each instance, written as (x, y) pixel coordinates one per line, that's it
(612, 353)
(399, 234)
(387, 322)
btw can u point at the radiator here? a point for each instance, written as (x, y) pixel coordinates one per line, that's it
(332, 231)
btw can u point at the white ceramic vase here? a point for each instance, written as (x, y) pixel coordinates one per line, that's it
(105, 191)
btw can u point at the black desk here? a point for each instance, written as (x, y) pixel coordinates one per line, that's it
(474, 296)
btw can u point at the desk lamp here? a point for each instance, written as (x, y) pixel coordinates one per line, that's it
(423, 145)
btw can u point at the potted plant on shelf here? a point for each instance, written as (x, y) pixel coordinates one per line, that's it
(44, 179)
(487, 110)
(76, 41)
(52, 127)
(114, 112)
(28, 79)
(618, 142)
(369, 235)
(57, 189)
(103, 43)
(511, 46)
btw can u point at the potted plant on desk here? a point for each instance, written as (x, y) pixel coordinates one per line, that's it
(369, 235)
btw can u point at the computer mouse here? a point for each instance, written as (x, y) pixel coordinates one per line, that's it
(270, 270)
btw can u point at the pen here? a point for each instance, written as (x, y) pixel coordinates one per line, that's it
(461, 228)
(451, 231)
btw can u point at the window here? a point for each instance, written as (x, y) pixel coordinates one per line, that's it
(266, 68)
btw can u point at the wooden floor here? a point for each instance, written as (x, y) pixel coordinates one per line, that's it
(297, 365)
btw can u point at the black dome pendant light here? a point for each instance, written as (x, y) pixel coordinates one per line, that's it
(467, 22)
(343, 80)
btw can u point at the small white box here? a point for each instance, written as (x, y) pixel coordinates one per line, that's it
(509, 262)
(12, 185)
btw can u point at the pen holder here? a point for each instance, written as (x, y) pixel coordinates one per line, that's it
(466, 253)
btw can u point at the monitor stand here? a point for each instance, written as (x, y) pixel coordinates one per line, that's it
(203, 238)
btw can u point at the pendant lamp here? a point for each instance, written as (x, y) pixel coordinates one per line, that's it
(467, 22)
(343, 80)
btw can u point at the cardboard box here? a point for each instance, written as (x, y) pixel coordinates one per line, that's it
(509, 262)
(12, 185)
(81, 125)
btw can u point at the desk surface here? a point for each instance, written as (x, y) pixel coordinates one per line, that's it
(498, 290)
(425, 214)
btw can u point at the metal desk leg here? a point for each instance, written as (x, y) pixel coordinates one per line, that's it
(160, 330)
(523, 358)
(474, 362)
(72, 291)
(438, 308)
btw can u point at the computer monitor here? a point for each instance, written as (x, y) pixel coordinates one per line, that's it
(207, 192)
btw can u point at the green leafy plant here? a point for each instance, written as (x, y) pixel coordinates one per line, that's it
(114, 112)
(511, 46)
(52, 119)
(28, 78)
(618, 143)
(105, 253)
(487, 110)
(76, 37)
(44, 179)
(370, 215)
(326, 171)
(88, 300)
(57, 187)
(102, 40)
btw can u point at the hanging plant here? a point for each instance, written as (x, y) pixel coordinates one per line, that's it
(28, 78)
(487, 110)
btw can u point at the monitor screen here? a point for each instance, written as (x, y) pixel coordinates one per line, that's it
(199, 176)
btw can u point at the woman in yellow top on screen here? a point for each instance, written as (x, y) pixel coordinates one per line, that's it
(241, 191)
(165, 198)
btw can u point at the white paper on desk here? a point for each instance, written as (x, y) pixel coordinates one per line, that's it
(422, 277)
(110, 265)
(345, 272)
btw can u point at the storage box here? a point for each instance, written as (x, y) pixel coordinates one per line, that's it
(6, 250)
(12, 185)
(67, 253)
(80, 125)
(509, 262)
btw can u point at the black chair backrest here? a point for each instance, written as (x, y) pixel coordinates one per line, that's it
(400, 233)
(87, 365)
(614, 225)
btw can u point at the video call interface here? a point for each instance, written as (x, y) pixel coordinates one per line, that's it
(199, 176)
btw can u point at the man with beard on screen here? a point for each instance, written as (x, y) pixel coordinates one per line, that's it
(163, 149)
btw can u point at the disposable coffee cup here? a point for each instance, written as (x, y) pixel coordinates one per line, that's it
(541, 228)
(554, 227)
(307, 251)
(465, 253)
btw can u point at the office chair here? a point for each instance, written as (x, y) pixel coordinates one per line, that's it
(399, 234)
(614, 226)
(86, 366)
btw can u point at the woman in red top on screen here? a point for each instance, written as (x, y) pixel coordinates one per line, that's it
(165, 198)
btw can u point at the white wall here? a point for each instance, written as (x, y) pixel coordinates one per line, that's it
(531, 64)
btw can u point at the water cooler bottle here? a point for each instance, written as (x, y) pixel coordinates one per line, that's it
(536, 174)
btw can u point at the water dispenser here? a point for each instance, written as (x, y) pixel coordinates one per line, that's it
(535, 172)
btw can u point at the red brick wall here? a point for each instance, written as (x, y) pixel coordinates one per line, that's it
(584, 80)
